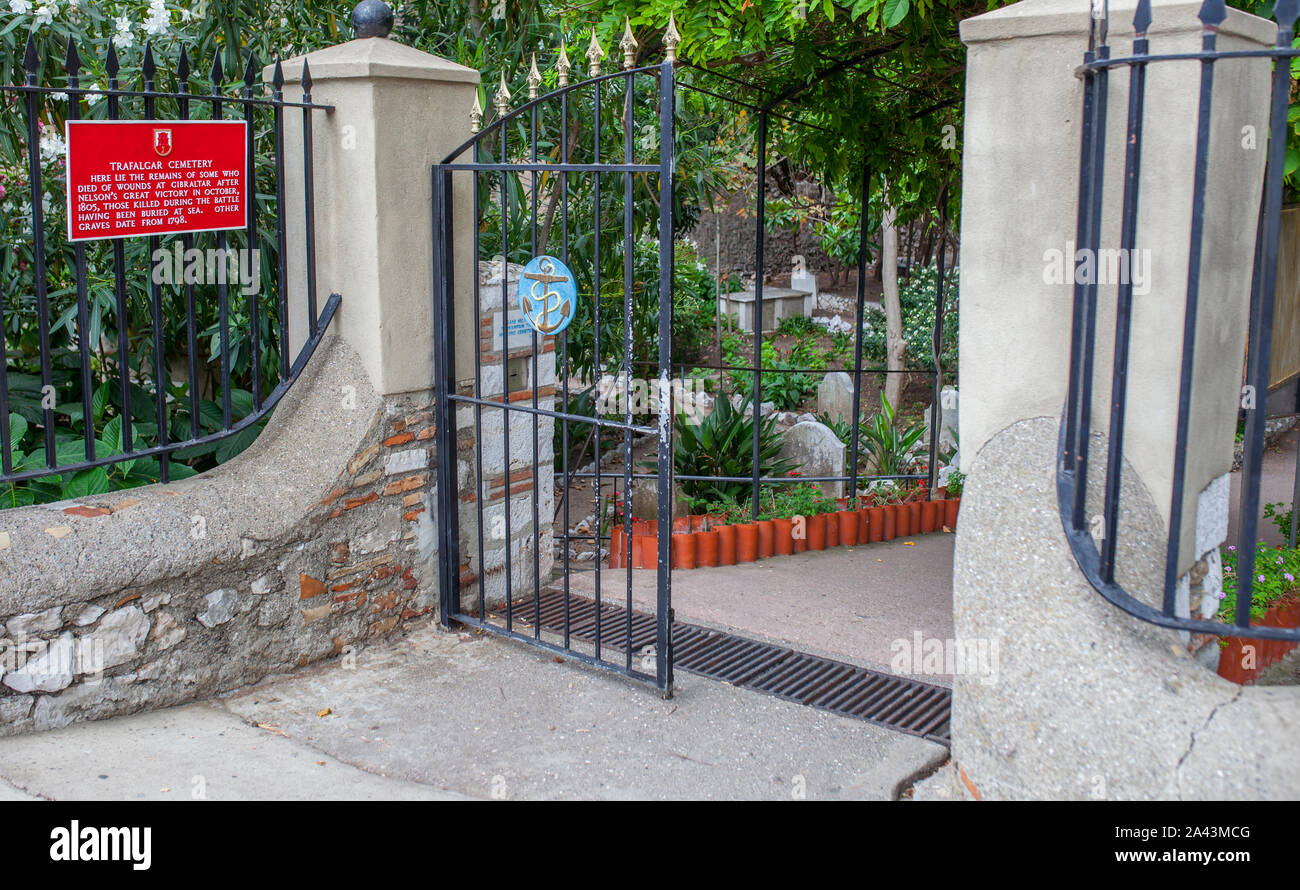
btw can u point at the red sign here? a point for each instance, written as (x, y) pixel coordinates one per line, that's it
(128, 178)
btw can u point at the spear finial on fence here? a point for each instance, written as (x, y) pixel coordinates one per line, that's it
(1212, 13)
(1142, 18)
(73, 63)
(149, 69)
(1285, 11)
(563, 66)
(628, 44)
(476, 115)
(594, 54)
(671, 40)
(502, 100)
(534, 78)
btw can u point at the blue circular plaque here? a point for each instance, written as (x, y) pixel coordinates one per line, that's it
(548, 298)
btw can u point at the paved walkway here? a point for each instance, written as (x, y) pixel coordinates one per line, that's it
(437, 715)
(847, 603)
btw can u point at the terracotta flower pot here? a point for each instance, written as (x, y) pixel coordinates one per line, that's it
(706, 552)
(645, 552)
(618, 547)
(950, 512)
(888, 522)
(914, 513)
(929, 509)
(816, 526)
(766, 538)
(782, 537)
(1283, 612)
(832, 530)
(726, 545)
(902, 520)
(681, 524)
(799, 533)
(850, 523)
(697, 523)
(746, 542)
(875, 524)
(684, 550)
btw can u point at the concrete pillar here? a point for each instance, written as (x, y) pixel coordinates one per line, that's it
(1083, 701)
(397, 111)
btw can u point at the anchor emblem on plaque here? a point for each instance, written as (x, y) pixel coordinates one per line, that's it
(548, 297)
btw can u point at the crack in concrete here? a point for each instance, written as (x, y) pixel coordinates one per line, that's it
(23, 790)
(1191, 744)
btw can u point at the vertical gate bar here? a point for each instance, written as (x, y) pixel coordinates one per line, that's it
(32, 62)
(595, 274)
(282, 241)
(629, 245)
(564, 364)
(155, 293)
(119, 279)
(936, 347)
(223, 290)
(1091, 240)
(536, 342)
(759, 240)
(309, 197)
(1079, 314)
(254, 314)
(1261, 321)
(863, 231)
(478, 394)
(83, 297)
(505, 372)
(444, 362)
(1124, 300)
(667, 153)
(187, 244)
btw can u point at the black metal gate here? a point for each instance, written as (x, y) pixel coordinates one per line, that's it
(560, 195)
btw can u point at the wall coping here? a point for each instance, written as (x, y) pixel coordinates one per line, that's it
(1044, 18)
(54, 557)
(370, 58)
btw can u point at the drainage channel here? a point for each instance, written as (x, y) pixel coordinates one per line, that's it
(898, 703)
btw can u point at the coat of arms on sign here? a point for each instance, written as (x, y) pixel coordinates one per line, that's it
(162, 142)
(547, 295)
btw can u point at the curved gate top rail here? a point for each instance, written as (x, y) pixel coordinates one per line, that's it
(1098, 563)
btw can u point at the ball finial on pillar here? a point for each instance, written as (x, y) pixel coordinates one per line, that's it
(372, 18)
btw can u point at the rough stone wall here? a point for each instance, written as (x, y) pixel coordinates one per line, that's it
(317, 537)
(531, 535)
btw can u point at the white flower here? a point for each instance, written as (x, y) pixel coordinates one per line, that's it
(92, 98)
(46, 13)
(20, 6)
(124, 38)
(159, 18)
(52, 146)
(59, 97)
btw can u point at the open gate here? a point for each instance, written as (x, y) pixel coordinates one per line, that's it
(583, 174)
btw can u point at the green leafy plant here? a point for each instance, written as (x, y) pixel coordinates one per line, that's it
(888, 443)
(1276, 570)
(1280, 515)
(721, 445)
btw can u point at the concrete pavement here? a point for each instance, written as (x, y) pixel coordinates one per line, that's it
(435, 715)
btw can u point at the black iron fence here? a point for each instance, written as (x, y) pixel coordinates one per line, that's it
(1098, 562)
(144, 358)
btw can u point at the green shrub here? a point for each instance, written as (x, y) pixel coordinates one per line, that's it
(722, 445)
(916, 297)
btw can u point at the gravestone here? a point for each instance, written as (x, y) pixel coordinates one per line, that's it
(805, 282)
(948, 404)
(835, 396)
(817, 451)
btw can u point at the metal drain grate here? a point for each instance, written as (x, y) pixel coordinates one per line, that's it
(898, 703)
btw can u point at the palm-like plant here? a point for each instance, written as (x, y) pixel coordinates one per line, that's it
(889, 446)
(722, 445)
